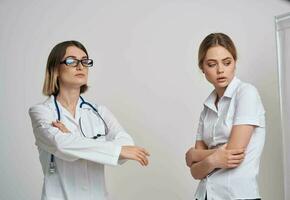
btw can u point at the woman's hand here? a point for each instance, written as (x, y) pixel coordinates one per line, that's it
(135, 153)
(223, 158)
(58, 124)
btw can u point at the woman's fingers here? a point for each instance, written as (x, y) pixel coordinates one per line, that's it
(233, 165)
(236, 151)
(60, 126)
(237, 157)
(142, 154)
(142, 160)
(139, 158)
(135, 153)
(235, 160)
(55, 124)
(143, 157)
(146, 152)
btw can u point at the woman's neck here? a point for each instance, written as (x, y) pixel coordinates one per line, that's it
(69, 98)
(220, 92)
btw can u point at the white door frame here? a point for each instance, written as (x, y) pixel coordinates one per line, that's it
(282, 23)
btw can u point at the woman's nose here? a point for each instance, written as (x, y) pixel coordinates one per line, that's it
(79, 66)
(220, 69)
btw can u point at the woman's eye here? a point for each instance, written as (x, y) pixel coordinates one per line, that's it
(69, 61)
(227, 63)
(211, 64)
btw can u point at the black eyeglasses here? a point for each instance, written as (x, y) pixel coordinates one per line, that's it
(73, 62)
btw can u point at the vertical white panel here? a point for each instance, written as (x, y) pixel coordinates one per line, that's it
(283, 48)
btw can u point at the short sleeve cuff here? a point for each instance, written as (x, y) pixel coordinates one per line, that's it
(256, 121)
(198, 137)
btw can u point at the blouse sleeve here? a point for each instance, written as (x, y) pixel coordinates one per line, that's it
(248, 107)
(199, 134)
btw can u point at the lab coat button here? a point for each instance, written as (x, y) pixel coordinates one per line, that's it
(84, 187)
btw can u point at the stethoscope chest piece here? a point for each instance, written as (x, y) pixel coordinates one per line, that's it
(52, 167)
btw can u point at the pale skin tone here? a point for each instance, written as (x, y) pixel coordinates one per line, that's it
(219, 69)
(70, 81)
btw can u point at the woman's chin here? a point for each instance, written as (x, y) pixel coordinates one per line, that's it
(78, 84)
(221, 84)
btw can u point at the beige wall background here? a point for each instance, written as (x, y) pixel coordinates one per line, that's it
(146, 72)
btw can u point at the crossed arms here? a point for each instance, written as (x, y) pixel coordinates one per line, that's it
(203, 161)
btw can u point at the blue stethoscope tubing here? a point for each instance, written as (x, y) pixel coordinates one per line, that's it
(52, 164)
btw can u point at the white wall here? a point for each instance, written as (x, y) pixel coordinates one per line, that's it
(146, 73)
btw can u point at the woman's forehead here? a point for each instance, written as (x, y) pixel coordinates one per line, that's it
(217, 53)
(75, 51)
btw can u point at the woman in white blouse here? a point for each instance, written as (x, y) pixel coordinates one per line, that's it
(231, 130)
(76, 139)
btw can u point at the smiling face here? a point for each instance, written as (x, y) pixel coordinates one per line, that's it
(73, 77)
(219, 67)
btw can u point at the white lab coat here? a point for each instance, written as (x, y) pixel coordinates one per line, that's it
(79, 160)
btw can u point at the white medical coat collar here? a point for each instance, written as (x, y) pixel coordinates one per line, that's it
(64, 111)
(230, 91)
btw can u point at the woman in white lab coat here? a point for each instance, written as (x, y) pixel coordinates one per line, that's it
(76, 139)
(231, 130)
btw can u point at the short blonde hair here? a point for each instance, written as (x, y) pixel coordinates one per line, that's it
(51, 84)
(216, 39)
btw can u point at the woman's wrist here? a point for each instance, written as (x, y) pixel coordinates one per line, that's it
(210, 160)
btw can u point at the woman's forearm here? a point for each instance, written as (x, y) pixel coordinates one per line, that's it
(201, 169)
(194, 155)
(201, 154)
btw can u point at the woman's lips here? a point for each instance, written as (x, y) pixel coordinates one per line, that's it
(221, 79)
(80, 75)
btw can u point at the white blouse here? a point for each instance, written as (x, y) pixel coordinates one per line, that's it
(79, 160)
(240, 104)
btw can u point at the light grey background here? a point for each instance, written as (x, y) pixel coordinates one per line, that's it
(146, 72)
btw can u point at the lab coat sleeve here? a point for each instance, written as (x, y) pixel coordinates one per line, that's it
(116, 132)
(70, 146)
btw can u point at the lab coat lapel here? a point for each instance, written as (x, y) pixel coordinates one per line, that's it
(64, 112)
(68, 115)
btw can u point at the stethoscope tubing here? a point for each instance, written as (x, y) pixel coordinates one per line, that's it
(52, 164)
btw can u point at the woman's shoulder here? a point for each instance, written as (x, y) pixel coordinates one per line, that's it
(46, 105)
(103, 109)
(247, 89)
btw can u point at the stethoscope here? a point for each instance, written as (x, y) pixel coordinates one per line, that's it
(52, 165)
